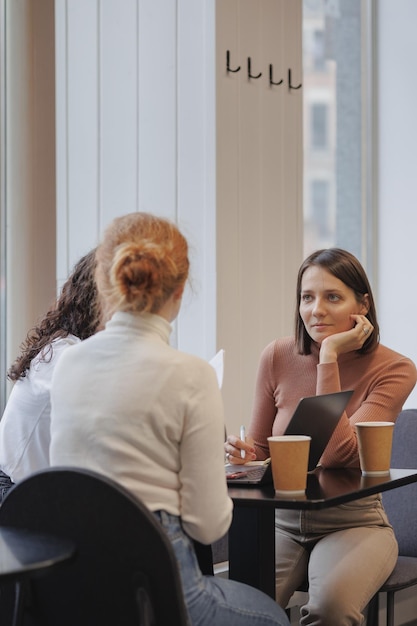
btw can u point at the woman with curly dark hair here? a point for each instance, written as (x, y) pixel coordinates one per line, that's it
(25, 425)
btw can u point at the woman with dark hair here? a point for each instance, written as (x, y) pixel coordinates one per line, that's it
(346, 268)
(345, 552)
(153, 419)
(25, 424)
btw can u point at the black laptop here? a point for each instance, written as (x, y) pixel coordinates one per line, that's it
(316, 416)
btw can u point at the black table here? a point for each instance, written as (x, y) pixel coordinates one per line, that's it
(25, 554)
(252, 533)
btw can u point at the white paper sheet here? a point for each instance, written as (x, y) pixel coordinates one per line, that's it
(218, 363)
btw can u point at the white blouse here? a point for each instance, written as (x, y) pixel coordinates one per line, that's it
(25, 424)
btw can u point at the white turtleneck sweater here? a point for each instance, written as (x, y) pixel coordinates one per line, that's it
(128, 405)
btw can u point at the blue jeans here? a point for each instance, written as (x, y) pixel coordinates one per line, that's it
(217, 601)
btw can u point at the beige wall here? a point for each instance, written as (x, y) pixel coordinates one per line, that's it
(30, 165)
(259, 187)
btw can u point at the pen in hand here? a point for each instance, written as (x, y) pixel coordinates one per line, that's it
(243, 438)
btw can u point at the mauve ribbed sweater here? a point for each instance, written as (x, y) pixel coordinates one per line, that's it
(381, 380)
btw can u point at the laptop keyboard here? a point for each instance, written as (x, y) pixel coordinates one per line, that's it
(256, 473)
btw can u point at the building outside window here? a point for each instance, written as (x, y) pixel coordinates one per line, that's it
(337, 66)
(320, 202)
(319, 120)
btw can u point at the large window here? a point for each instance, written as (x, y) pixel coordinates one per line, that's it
(337, 85)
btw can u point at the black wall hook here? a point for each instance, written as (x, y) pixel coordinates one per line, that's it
(250, 75)
(229, 69)
(290, 85)
(271, 76)
(255, 76)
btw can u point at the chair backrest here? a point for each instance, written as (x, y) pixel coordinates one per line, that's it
(401, 504)
(124, 571)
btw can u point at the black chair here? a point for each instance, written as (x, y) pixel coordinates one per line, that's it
(401, 508)
(124, 572)
(220, 550)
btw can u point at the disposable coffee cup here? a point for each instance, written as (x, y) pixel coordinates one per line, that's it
(289, 460)
(375, 445)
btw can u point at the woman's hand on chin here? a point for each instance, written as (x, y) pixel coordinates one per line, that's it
(347, 341)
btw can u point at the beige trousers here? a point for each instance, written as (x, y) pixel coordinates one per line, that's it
(346, 553)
